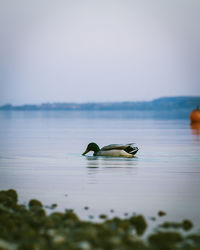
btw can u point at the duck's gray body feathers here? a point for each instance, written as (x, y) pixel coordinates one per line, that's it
(116, 146)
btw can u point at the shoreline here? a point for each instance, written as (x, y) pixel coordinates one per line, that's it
(30, 227)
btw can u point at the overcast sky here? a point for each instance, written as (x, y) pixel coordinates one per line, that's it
(98, 50)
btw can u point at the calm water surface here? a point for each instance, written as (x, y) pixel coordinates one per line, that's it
(40, 157)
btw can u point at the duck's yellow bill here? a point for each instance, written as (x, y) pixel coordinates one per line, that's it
(86, 151)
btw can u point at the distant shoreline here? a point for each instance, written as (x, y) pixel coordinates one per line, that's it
(160, 104)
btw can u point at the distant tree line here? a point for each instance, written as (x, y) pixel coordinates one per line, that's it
(164, 103)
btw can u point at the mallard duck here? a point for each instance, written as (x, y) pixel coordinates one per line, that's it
(116, 150)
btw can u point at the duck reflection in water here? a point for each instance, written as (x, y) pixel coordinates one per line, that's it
(114, 167)
(95, 162)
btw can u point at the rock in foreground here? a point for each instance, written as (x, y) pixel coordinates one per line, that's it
(30, 228)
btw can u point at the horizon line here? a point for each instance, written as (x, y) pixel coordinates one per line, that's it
(98, 102)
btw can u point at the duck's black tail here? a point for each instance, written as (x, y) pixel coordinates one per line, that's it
(131, 150)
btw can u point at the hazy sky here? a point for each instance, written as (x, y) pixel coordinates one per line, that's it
(80, 50)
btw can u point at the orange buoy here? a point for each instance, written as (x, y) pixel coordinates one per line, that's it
(195, 115)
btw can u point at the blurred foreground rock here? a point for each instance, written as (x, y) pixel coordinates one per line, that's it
(30, 228)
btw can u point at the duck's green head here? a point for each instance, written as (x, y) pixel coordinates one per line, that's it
(91, 147)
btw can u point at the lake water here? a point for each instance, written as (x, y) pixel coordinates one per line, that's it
(40, 157)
